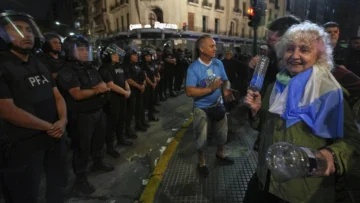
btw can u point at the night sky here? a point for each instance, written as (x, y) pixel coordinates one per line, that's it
(35, 8)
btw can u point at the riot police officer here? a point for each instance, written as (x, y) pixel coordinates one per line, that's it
(151, 72)
(136, 78)
(112, 73)
(169, 71)
(162, 82)
(84, 92)
(34, 115)
(52, 53)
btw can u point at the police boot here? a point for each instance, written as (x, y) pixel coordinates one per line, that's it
(153, 118)
(140, 127)
(99, 165)
(145, 124)
(130, 134)
(155, 110)
(82, 185)
(112, 152)
(122, 141)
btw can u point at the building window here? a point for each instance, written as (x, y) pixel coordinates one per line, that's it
(117, 25)
(277, 4)
(204, 23)
(237, 4)
(243, 31)
(232, 29)
(270, 14)
(191, 21)
(122, 24)
(244, 9)
(152, 19)
(128, 19)
(217, 25)
(288, 5)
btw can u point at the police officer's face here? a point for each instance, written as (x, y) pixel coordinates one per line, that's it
(228, 56)
(148, 58)
(208, 48)
(21, 34)
(82, 53)
(355, 44)
(115, 58)
(134, 58)
(334, 34)
(55, 44)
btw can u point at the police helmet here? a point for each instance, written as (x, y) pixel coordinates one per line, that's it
(108, 51)
(149, 51)
(130, 51)
(19, 31)
(48, 47)
(77, 47)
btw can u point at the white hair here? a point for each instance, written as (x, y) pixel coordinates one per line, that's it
(311, 34)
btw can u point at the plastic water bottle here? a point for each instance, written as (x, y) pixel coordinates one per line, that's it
(287, 161)
(257, 80)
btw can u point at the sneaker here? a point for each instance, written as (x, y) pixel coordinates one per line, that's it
(203, 170)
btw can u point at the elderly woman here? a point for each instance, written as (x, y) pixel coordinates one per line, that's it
(305, 106)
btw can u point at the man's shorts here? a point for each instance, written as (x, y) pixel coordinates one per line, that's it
(202, 123)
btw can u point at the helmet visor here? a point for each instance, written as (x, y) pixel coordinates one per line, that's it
(82, 52)
(114, 49)
(20, 30)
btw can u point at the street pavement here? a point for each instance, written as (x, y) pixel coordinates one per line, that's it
(126, 183)
(181, 182)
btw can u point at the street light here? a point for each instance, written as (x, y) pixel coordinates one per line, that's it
(71, 33)
(58, 23)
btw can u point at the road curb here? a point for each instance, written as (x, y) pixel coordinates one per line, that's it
(149, 192)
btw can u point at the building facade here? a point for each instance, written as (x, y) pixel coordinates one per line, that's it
(226, 19)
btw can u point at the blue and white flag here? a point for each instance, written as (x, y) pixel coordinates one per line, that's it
(314, 97)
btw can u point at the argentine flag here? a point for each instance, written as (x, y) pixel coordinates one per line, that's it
(313, 96)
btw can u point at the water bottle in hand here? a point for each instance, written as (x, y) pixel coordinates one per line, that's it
(287, 161)
(257, 80)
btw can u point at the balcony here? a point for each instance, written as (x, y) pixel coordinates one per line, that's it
(206, 4)
(100, 28)
(115, 7)
(124, 2)
(237, 10)
(219, 8)
(193, 2)
(79, 8)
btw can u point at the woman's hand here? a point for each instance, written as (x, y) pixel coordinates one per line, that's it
(330, 162)
(253, 101)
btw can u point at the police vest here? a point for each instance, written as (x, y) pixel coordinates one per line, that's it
(31, 86)
(150, 71)
(88, 78)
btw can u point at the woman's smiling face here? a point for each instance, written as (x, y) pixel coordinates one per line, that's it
(300, 56)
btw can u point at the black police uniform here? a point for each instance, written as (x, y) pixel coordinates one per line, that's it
(116, 107)
(181, 66)
(29, 152)
(88, 115)
(135, 101)
(149, 99)
(162, 83)
(53, 64)
(169, 72)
